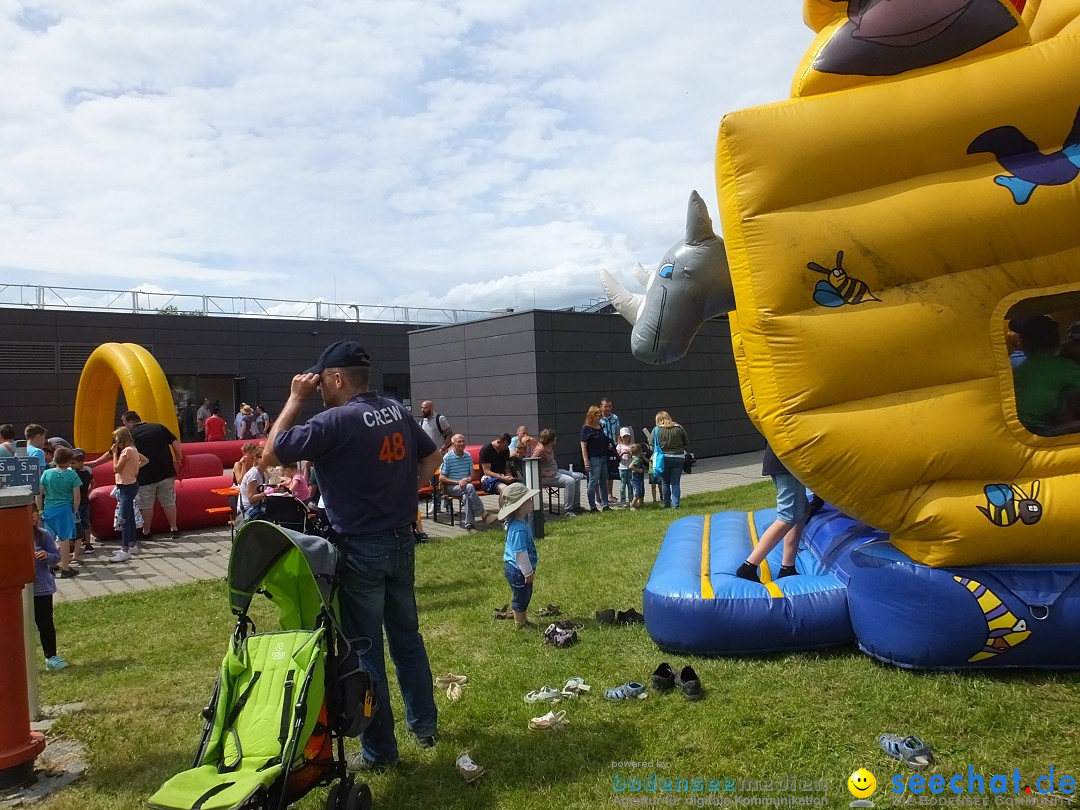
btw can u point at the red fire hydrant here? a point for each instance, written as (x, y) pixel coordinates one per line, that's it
(19, 746)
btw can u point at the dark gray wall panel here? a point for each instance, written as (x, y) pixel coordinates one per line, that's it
(268, 352)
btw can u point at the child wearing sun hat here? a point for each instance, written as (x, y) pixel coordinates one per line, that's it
(519, 556)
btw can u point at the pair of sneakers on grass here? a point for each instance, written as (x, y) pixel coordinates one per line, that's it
(664, 679)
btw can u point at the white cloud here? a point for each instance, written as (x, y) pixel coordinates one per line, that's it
(442, 152)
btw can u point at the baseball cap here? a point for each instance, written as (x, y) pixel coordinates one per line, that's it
(343, 354)
(626, 432)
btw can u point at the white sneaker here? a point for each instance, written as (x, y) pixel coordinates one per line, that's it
(468, 769)
(120, 556)
(489, 518)
(134, 549)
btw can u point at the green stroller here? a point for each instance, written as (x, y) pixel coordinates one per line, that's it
(286, 699)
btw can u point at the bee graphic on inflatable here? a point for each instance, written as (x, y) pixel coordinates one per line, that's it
(1007, 503)
(840, 288)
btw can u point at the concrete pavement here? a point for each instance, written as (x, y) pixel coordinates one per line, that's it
(204, 553)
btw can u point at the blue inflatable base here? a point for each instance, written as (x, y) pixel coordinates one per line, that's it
(694, 603)
(853, 583)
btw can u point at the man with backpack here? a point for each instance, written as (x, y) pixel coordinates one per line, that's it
(438, 428)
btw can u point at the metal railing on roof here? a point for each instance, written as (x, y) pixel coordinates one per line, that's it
(164, 303)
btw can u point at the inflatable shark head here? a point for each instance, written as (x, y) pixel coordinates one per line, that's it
(690, 286)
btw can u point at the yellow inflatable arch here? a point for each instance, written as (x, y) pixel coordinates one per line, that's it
(879, 229)
(112, 367)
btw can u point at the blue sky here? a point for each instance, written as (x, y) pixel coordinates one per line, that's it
(475, 155)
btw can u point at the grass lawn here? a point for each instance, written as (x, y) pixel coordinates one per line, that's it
(146, 663)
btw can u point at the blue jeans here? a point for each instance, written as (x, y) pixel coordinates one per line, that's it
(128, 492)
(670, 480)
(598, 479)
(520, 592)
(791, 505)
(377, 590)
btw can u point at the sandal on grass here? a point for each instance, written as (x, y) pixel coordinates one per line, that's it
(910, 750)
(449, 678)
(575, 686)
(453, 691)
(544, 695)
(605, 616)
(548, 610)
(502, 613)
(628, 691)
(553, 720)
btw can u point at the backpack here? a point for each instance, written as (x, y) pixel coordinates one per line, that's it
(561, 634)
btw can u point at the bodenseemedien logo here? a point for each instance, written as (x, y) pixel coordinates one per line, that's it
(862, 785)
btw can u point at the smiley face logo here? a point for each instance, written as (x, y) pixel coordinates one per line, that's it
(861, 783)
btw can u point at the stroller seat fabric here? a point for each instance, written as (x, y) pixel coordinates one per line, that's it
(268, 702)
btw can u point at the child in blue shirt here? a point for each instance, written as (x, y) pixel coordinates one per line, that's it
(519, 557)
(60, 495)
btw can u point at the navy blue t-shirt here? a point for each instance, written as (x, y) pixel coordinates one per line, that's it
(367, 452)
(596, 441)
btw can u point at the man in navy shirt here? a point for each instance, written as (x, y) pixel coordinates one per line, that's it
(372, 458)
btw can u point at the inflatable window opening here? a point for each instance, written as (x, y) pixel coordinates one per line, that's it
(1042, 337)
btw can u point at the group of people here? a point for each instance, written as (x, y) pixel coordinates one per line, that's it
(250, 422)
(608, 454)
(145, 458)
(371, 457)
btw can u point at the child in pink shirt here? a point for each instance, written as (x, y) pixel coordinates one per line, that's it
(295, 482)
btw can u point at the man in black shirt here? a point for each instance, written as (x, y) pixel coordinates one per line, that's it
(157, 478)
(494, 465)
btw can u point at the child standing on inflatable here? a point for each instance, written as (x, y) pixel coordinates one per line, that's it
(791, 512)
(519, 556)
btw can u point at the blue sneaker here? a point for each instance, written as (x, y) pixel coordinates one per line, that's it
(628, 691)
(55, 663)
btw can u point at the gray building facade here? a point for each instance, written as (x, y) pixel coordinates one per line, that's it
(228, 360)
(544, 369)
(539, 368)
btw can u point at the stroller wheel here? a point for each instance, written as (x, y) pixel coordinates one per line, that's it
(332, 797)
(359, 797)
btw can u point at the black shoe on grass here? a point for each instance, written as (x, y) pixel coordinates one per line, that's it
(690, 684)
(605, 616)
(663, 678)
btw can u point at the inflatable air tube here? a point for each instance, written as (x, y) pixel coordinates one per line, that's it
(917, 617)
(228, 452)
(198, 465)
(695, 604)
(193, 497)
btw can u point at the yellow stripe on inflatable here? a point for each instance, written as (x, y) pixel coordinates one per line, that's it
(706, 575)
(113, 367)
(766, 572)
(900, 409)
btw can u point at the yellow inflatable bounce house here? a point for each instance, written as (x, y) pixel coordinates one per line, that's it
(920, 187)
(890, 230)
